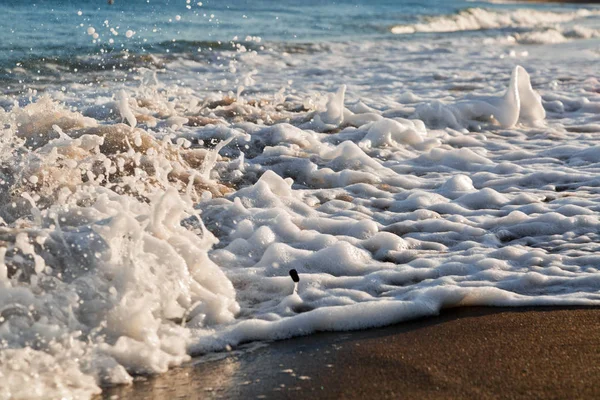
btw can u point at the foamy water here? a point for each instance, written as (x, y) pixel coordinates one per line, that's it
(154, 214)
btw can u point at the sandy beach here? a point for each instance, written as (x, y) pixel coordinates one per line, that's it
(484, 353)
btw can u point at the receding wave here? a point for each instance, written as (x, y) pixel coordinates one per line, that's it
(474, 19)
(83, 66)
(106, 57)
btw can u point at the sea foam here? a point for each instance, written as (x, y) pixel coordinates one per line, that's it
(473, 19)
(143, 224)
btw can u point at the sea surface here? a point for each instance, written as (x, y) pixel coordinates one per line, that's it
(164, 165)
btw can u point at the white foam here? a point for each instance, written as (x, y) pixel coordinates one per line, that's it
(124, 108)
(520, 103)
(433, 179)
(473, 19)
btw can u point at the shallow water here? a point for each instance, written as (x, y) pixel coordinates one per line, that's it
(403, 159)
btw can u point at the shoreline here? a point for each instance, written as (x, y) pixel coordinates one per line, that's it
(471, 352)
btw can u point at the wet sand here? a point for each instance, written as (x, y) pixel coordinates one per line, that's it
(483, 353)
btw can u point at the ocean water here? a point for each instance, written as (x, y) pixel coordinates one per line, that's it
(50, 37)
(165, 164)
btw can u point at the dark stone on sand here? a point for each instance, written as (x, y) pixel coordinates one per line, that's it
(294, 275)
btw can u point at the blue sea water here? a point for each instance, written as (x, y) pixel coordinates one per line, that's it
(58, 29)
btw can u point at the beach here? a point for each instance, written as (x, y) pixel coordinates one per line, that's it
(511, 353)
(192, 193)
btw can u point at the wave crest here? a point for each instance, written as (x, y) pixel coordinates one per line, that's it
(474, 19)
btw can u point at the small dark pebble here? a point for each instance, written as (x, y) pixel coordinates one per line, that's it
(294, 275)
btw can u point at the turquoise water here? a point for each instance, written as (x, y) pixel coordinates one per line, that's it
(58, 29)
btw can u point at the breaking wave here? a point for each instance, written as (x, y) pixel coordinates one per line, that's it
(474, 19)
